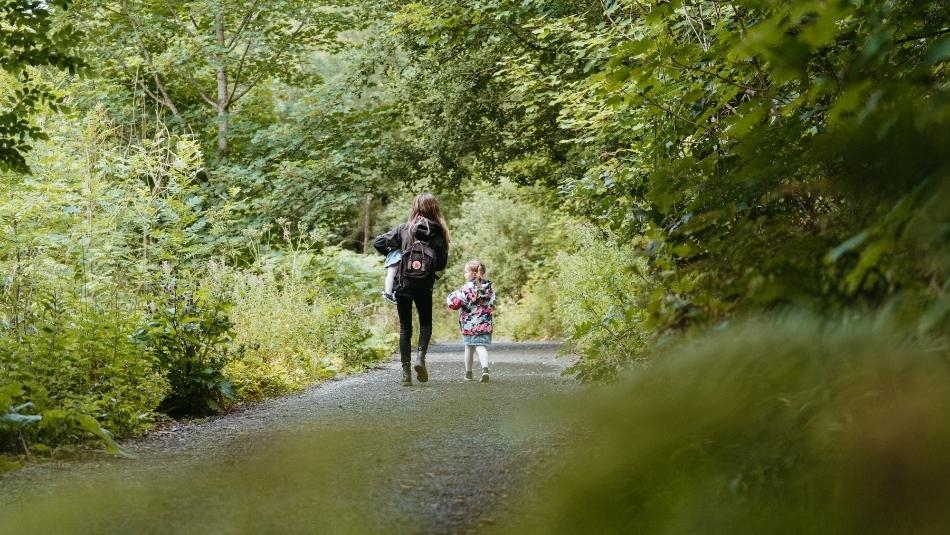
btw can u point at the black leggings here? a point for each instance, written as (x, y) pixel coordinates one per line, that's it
(423, 300)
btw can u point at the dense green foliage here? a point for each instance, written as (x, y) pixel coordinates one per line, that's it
(758, 154)
(186, 331)
(302, 319)
(31, 35)
(602, 293)
(791, 426)
(115, 311)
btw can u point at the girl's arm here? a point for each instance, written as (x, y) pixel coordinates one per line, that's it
(454, 300)
(460, 298)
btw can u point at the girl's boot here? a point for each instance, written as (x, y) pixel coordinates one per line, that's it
(484, 375)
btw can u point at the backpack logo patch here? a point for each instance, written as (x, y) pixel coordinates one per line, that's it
(417, 265)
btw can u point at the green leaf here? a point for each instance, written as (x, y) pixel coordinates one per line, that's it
(867, 261)
(847, 246)
(20, 419)
(938, 52)
(746, 117)
(89, 424)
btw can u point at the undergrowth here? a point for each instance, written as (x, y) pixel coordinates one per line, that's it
(792, 425)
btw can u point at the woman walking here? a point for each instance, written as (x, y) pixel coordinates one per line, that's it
(424, 242)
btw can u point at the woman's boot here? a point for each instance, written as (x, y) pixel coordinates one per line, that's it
(425, 333)
(421, 373)
(406, 375)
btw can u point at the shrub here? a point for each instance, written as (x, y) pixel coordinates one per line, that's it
(82, 240)
(276, 327)
(601, 291)
(536, 316)
(69, 371)
(293, 330)
(788, 426)
(187, 331)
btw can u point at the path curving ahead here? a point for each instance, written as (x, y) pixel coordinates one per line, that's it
(357, 455)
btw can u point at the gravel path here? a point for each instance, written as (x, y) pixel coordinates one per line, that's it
(357, 455)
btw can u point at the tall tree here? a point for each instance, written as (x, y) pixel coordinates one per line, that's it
(210, 53)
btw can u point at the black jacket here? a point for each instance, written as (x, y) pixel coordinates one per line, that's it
(431, 234)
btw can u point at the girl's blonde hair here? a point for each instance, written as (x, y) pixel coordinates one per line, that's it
(425, 205)
(477, 268)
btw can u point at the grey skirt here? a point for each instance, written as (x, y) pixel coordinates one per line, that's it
(476, 339)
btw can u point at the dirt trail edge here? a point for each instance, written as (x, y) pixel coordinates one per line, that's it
(357, 455)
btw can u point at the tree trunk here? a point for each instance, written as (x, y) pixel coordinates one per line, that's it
(223, 100)
(366, 214)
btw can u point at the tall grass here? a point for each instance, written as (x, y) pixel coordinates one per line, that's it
(291, 332)
(790, 426)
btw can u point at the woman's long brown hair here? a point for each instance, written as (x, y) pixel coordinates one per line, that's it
(425, 205)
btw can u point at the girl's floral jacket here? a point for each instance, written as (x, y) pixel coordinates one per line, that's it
(475, 311)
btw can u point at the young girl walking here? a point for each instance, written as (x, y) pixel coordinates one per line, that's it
(475, 302)
(391, 264)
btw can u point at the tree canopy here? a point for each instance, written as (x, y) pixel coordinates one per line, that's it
(759, 153)
(31, 35)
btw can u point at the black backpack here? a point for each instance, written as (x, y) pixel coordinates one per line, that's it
(418, 262)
